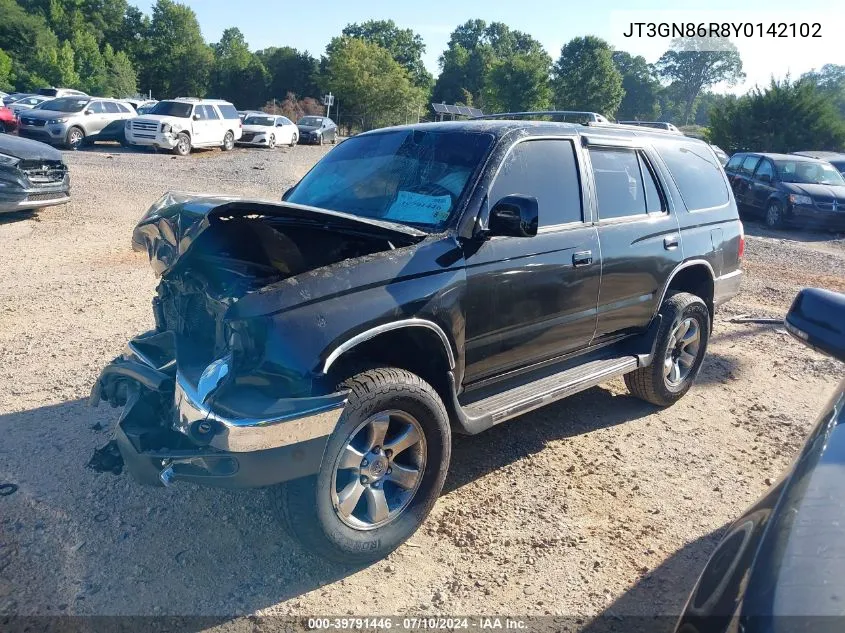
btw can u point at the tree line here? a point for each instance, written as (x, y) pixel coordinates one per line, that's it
(375, 69)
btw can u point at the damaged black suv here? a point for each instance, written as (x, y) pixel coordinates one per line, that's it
(419, 281)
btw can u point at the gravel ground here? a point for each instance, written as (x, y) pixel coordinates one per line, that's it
(600, 504)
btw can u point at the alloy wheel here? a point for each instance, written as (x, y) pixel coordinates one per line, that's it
(271, 142)
(682, 351)
(379, 470)
(75, 138)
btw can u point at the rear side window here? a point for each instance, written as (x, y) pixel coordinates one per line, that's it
(625, 184)
(697, 174)
(111, 107)
(734, 163)
(228, 111)
(545, 170)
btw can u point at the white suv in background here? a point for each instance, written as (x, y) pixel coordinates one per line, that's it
(181, 124)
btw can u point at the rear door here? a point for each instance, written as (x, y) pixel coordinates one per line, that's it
(741, 181)
(639, 236)
(534, 298)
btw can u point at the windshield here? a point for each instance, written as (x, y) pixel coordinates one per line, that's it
(65, 104)
(803, 172)
(409, 176)
(173, 108)
(311, 121)
(266, 121)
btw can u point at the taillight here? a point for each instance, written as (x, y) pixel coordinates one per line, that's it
(741, 241)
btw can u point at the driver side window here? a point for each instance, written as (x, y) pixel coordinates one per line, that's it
(543, 169)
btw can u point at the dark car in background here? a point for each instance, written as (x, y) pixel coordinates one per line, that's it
(781, 566)
(316, 130)
(32, 175)
(837, 159)
(788, 190)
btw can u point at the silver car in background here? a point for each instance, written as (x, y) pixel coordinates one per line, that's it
(72, 121)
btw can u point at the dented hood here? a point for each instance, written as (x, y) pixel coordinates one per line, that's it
(171, 226)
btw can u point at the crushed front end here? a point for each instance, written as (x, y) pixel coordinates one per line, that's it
(216, 394)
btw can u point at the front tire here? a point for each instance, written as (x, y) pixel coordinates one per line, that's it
(74, 138)
(383, 469)
(271, 142)
(228, 142)
(294, 140)
(681, 346)
(774, 215)
(183, 145)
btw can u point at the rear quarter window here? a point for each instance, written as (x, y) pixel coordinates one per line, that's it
(228, 111)
(696, 173)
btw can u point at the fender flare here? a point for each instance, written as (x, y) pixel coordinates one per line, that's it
(367, 335)
(685, 264)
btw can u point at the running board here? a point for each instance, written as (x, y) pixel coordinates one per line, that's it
(508, 404)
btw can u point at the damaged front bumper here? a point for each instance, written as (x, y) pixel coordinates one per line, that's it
(170, 431)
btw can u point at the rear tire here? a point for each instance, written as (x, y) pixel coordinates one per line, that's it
(679, 352)
(228, 142)
(353, 512)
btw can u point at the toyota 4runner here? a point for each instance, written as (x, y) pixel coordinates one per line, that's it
(182, 124)
(419, 281)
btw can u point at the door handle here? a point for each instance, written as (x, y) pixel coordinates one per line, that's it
(671, 242)
(582, 258)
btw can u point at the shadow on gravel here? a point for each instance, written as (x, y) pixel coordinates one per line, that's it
(596, 408)
(18, 216)
(76, 542)
(655, 602)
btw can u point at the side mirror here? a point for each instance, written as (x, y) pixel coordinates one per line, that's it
(765, 178)
(817, 319)
(87, 112)
(514, 216)
(196, 117)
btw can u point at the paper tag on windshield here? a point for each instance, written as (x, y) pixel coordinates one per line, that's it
(419, 208)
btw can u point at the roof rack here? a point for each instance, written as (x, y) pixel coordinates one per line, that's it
(574, 116)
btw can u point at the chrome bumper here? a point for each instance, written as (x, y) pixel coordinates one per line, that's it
(312, 418)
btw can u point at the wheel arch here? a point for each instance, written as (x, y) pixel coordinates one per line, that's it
(416, 345)
(695, 276)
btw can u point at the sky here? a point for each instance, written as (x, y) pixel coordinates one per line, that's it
(552, 22)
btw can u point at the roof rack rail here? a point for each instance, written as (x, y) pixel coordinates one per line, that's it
(566, 116)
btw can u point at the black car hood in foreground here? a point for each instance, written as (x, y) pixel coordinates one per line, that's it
(27, 149)
(171, 226)
(781, 567)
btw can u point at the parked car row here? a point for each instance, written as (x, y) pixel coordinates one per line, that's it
(788, 189)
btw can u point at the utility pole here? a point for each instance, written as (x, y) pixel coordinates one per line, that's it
(328, 100)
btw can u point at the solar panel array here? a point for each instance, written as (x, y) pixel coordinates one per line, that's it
(443, 108)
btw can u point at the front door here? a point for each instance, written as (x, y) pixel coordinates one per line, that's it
(533, 298)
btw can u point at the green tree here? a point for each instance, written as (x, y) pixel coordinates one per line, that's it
(640, 85)
(88, 62)
(178, 61)
(121, 80)
(830, 80)
(693, 66)
(368, 82)
(519, 83)
(291, 72)
(406, 47)
(585, 77)
(238, 75)
(785, 117)
(5, 72)
(474, 49)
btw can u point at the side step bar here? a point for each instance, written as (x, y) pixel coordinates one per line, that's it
(482, 414)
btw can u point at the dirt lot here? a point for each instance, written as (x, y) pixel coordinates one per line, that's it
(600, 504)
